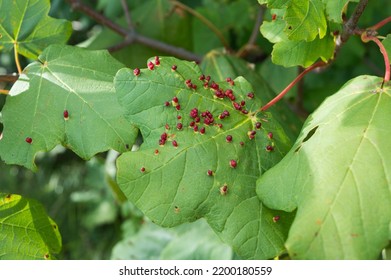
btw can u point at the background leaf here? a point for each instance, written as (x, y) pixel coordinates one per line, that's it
(171, 184)
(303, 53)
(26, 232)
(27, 24)
(305, 20)
(338, 176)
(335, 9)
(65, 79)
(152, 242)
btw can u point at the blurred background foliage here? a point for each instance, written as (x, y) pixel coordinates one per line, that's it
(82, 197)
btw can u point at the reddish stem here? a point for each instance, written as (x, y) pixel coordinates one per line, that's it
(365, 38)
(380, 24)
(292, 84)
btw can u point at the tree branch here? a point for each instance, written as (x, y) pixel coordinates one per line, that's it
(133, 37)
(9, 78)
(243, 51)
(350, 27)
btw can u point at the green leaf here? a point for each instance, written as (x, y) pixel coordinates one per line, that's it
(171, 184)
(26, 25)
(305, 20)
(275, 4)
(26, 232)
(292, 53)
(338, 175)
(336, 8)
(387, 45)
(221, 65)
(274, 30)
(65, 80)
(152, 242)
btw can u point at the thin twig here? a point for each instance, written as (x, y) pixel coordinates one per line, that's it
(127, 14)
(205, 21)
(133, 37)
(254, 34)
(258, 22)
(292, 84)
(351, 25)
(4, 91)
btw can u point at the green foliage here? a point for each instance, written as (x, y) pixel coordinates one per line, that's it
(336, 8)
(65, 80)
(152, 242)
(227, 197)
(305, 20)
(338, 176)
(26, 232)
(230, 176)
(25, 25)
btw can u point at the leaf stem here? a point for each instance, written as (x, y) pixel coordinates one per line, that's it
(4, 91)
(204, 20)
(380, 24)
(365, 37)
(17, 58)
(292, 84)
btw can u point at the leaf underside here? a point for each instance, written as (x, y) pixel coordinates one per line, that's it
(170, 182)
(26, 232)
(338, 175)
(66, 97)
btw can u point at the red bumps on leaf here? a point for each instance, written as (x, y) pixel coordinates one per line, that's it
(250, 95)
(228, 138)
(136, 71)
(29, 140)
(276, 219)
(175, 143)
(258, 125)
(156, 152)
(142, 169)
(270, 135)
(251, 134)
(179, 126)
(166, 103)
(202, 130)
(157, 60)
(66, 115)
(150, 65)
(233, 163)
(174, 67)
(269, 148)
(209, 172)
(224, 189)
